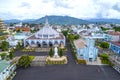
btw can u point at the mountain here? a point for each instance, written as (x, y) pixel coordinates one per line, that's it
(17, 21)
(116, 21)
(66, 20)
(12, 21)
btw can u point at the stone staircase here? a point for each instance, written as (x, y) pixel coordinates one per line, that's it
(39, 61)
(42, 49)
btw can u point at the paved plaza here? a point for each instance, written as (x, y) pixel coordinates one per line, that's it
(70, 71)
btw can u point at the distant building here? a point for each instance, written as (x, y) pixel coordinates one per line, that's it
(2, 26)
(6, 70)
(86, 49)
(45, 37)
(115, 46)
(23, 29)
(113, 36)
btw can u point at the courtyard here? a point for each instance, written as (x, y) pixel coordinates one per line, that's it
(70, 71)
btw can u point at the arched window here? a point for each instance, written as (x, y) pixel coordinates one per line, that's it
(38, 44)
(50, 44)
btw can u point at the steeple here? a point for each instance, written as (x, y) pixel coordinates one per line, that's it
(46, 23)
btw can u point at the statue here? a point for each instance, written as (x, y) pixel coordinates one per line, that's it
(56, 52)
(0, 58)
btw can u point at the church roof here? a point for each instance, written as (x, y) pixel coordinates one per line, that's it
(47, 32)
(80, 43)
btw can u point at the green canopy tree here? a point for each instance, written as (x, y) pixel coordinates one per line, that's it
(24, 61)
(3, 55)
(71, 37)
(11, 55)
(60, 52)
(104, 45)
(76, 37)
(4, 45)
(65, 33)
(51, 53)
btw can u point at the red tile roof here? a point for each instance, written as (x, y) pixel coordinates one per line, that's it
(114, 33)
(116, 43)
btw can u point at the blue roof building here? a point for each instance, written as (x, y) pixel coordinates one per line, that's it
(86, 49)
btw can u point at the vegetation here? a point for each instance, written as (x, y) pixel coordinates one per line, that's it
(117, 28)
(76, 36)
(65, 33)
(24, 61)
(4, 45)
(60, 52)
(73, 37)
(3, 56)
(105, 59)
(28, 50)
(11, 55)
(18, 45)
(104, 29)
(81, 61)
(56, 62)
(31, 57)
(104, 45)
(51, 52)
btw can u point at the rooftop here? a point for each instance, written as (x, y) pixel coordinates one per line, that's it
(34, 37)
(116, 43)
(3, 65)
(114, 33)
(80, 43)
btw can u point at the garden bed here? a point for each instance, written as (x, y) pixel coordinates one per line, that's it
(28, 50)
(60, 60)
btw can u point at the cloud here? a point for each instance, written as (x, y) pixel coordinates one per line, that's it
(83, 9)
(116, 7)
(61, 3)
(25, 4)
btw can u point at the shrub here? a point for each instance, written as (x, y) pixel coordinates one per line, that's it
(81, 61)
(104, 45)
(3, 55)
(60, 52)
(51, 53)
(24, 61)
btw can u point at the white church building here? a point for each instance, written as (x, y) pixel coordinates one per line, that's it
(45, 37)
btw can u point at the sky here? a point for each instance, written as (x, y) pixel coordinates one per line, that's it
(83, 9)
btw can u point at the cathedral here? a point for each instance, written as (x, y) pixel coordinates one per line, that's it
(46, 37)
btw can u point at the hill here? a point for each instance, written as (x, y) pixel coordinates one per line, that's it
(62, 20)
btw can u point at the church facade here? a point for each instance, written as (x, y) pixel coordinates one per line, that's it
(45, 37)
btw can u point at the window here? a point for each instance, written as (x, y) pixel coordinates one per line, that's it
(45, 36)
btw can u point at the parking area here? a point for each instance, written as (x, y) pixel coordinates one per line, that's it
(67, 72)
(70, 71)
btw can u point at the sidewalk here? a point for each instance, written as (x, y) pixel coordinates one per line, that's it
(97, 62)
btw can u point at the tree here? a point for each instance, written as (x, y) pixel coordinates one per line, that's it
(11, 55)
(60, 52)
(3, 55)
(104, 45)
(4, 45)
(51, 53)
(18, 45)
(117, 28)
(71, 37)
(24, 61)
(65, 33)
(104, 29)
(76, 37)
